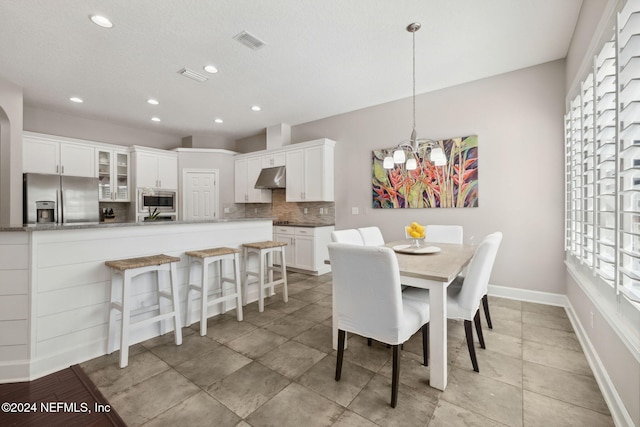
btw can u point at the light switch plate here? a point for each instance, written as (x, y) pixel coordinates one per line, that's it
(355, 211)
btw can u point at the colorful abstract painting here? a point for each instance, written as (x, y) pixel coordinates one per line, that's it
(454, 185)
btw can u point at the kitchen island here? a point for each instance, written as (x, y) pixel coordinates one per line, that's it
(55, 287)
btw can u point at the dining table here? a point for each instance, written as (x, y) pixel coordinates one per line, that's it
(432, 266)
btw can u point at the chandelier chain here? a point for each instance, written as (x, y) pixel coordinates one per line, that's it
(414, 80)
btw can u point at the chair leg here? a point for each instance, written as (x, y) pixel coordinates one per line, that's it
(476, 320)
(425, 343)
(485, 305)
(468, 329)
(341, 335)
(395, 376)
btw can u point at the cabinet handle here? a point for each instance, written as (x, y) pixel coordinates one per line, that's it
(63, 169)
(57, 169)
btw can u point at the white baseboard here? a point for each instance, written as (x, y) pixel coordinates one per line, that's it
(14, 371)
(616, 406)
(619, 413)
(548, 298)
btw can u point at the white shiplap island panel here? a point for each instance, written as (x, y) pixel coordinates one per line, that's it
(70, 285)
(14, 305)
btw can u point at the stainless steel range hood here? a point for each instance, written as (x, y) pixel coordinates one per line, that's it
(271, 178)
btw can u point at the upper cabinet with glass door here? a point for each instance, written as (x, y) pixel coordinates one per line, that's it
(113, 175)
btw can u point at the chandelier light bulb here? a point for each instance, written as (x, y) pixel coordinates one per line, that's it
(388, 162)
(437, 157)
(411, 164)
(399, 156)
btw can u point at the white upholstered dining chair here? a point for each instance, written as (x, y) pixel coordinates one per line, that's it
(454, 234)
(350, 236)
(369, 302)
(463, 298)
(371, 236)
(443, 233)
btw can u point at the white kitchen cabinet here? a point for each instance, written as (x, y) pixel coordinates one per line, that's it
(273, 160)
(306, 247)
(289, 239)
(310, 173)
(155, 169)
(114, 184)
(168, 172)
(47, 155)
(295, 176)
(247, 171)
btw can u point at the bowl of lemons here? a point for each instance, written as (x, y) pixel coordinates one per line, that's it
(415, 232)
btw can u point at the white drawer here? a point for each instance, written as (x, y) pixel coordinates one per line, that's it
(279, 229)
(304, 231)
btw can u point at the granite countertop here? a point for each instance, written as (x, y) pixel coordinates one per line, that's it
(303, 224)
(41, 227)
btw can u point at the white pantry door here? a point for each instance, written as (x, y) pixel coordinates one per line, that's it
(200, 195)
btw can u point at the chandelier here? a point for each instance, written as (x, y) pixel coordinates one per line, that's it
(408, 152)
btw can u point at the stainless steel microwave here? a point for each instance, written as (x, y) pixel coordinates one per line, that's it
(162, 200)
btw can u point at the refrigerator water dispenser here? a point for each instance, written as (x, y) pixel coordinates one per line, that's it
(45, 211)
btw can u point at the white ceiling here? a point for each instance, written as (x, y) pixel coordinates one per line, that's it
(322, 57)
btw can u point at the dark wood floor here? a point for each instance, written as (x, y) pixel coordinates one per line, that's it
(64, 398)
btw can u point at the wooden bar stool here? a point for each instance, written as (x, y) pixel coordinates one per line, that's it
(122, 273)
(265, 251)
(203, 259)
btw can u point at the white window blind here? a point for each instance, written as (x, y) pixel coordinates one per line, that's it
(602, 165)
(629, 148)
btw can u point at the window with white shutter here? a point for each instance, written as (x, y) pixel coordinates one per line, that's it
(629, 149)
(602, 165)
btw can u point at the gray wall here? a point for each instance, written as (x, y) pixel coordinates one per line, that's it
(75, 126)
(203, 140)
(10, 153)
(252, 143)
(518, 118)
(590, 14)
(223, 162)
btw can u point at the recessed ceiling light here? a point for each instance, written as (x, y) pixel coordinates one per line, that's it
(102, 21)
(218, 121)
(76, 100)
(210, 69)
(152, 101)
(155, 119)
(256, 108)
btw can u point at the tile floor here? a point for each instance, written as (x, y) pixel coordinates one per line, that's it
(276, 368)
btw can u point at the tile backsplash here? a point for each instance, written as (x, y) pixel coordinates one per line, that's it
(282, 210)
(120, 210)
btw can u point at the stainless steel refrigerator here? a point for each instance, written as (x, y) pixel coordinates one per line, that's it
(56, 199)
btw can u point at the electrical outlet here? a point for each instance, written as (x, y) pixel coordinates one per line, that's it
(355, 211)
(306, 210)
(321, 211)
(227, 210)
(255, 210)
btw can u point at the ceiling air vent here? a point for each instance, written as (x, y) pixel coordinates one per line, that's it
(193, 75)
(249, 40)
